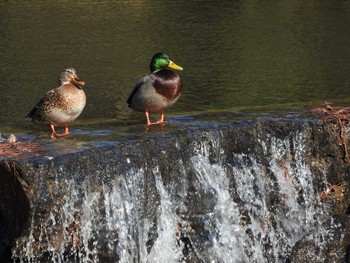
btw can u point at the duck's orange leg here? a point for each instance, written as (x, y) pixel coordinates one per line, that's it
(147, 118)
(65, 132)
(54, 133)
(161, 119)
(52, 128)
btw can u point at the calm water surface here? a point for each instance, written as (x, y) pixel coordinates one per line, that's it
(237, 55)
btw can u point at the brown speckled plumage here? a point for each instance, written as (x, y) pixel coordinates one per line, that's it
(62, 105)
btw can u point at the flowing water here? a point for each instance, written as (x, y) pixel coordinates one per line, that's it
(198, 203)
(237, 55)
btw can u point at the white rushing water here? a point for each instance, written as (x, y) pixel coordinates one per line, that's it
(260, 209)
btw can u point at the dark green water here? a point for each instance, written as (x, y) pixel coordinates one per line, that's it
(236, 55)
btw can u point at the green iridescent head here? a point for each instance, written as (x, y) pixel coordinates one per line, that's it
(160, 61)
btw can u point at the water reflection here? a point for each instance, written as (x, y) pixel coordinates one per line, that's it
(236, 54)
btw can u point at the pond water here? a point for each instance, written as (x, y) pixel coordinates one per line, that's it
(236, 55)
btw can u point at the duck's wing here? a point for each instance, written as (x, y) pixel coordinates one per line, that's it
(141, 82)
(49, 99)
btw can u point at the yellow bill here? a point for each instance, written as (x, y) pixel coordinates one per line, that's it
(174, 66)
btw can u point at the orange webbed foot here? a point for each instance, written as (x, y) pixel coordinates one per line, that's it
(160, 121)
(54, 134)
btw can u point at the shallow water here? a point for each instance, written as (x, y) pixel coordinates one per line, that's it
(237, 55)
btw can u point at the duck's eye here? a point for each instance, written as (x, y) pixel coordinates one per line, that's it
(69, 71)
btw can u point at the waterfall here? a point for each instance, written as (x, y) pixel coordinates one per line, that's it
(182, 200)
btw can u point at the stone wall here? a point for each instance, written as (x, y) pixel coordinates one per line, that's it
(111, 201)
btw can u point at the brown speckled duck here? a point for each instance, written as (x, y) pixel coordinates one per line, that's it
(62, 105)
(158, 90)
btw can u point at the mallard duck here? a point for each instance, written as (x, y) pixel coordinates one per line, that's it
(158, 90)
(62, 105)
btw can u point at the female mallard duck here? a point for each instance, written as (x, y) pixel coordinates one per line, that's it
(158, 90)
(62, 105)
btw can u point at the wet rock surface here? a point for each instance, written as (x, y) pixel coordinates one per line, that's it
(329, 243)
(211, 192)
(14, 208)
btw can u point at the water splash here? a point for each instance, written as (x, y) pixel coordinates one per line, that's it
(165, 248)
(222, 207)
(273, 205)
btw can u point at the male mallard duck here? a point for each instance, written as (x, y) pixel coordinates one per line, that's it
(158, 90)
(62, 105)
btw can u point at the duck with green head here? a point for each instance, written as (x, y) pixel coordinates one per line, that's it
(157, 91)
